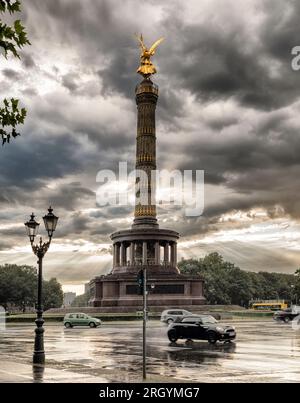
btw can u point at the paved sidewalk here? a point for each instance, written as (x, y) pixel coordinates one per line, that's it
(12, 372)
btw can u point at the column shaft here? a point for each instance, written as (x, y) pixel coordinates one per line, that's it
(157, 253)
(123, 254)
(145, 206)
(144, 253)
(132, 253)
(114, 255)
(166, 254)
(117, 255)
(173, 254)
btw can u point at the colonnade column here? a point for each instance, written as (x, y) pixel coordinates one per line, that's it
(117, 254)
(174, 254)
(114, 254)
(144, 253)
(123, 254)
(157, 253)
(132, 245)
(166, 253)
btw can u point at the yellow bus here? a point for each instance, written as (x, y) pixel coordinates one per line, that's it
(269, 305)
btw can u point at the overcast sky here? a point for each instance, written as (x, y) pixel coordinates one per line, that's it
(229, 104)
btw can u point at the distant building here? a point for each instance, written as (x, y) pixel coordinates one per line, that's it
(69, 298)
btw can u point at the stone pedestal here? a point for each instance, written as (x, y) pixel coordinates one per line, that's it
(157, 250)
(165, 291)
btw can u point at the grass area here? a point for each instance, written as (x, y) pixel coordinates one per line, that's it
(59, 317)
(252, 314)
(109, 317)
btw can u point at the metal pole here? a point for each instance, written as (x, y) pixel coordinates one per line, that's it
(144, 322)
(39, 353)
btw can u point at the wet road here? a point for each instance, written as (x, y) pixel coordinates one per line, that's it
(263, 352)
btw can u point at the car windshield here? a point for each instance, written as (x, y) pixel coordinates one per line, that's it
(208, 319)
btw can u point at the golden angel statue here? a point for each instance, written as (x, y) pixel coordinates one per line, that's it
(147, 67)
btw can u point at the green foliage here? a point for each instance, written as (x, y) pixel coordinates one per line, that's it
(52, 294)
(18, 287)
(227, 284)
(12, 39)
(81, 300)
(11, 115)
(297, 283)
(11, 7)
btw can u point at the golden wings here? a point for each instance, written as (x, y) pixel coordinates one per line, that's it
(147, 68)
(153, 47)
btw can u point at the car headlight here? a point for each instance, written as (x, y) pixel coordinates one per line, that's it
(220, 329)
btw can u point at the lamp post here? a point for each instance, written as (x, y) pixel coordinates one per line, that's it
(40, 249)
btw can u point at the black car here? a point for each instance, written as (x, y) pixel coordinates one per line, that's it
(203, 327)
(286, 315)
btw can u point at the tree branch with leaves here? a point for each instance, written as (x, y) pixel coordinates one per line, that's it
(12, 39)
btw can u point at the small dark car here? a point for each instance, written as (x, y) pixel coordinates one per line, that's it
(203, 327)
(287, 315)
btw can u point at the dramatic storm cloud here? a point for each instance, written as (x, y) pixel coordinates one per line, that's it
(229, 105)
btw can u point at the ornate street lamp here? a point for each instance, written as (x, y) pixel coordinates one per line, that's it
(40, 249)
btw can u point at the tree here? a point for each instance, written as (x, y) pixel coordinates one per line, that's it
(12, 38)
(18, 287)
(297, 285)
(224, 283)
(81, 300)
(52, 294)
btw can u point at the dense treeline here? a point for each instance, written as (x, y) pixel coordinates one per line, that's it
(81, 300)
(18, 288)
(227, 284)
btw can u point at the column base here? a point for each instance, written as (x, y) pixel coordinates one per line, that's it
(145, 222)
